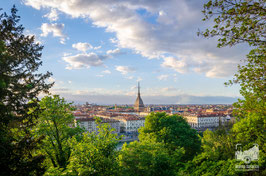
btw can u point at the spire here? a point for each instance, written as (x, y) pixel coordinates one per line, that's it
(138, 89)
(139, 106)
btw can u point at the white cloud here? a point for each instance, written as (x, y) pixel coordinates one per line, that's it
(121, 97)
(97, 47)
(52, 15)
(106, 72)
(163, 77)
(84, 60)
(113, 52)
(150, 95)
(178, 65)
(124, 69)
(171, 33)
(113, 40)
(55, 29)
(82, 46)
(169, 89)
(69, 82)
(217, 70)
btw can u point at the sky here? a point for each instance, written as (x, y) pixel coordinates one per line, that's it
(98, 50)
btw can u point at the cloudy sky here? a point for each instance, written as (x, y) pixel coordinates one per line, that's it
(97, 50)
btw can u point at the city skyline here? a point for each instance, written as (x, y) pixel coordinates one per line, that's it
(99, 57)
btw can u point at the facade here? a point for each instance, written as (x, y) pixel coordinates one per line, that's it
(115, 124)
(204, 121)
(131, 124)
(143, 114)
(89, 124)
(139, 106)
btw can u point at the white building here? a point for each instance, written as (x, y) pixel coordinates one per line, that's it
(131, 124)
(90, 125)
(206, 120)
(114, 124)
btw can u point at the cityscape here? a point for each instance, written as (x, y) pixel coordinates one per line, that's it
(127, 119)
(132, 88)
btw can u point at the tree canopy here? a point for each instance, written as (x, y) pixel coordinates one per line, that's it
(95, 153)
(235, 22)
(172, 130)
(20, 85)
(252, 80)
(238, 21)
(56, 124)
(149, 158)
(242, 21)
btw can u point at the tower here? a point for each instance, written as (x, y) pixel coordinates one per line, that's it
(139, 106)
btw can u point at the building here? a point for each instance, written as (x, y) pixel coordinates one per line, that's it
(90, 125)
(87, 123)
(139, 106)
(144, 114)
(203, 121)
(114, 124)
(130, 124)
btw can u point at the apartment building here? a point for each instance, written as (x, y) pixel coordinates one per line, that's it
(90, 125)
(198, 121)
(130, 124)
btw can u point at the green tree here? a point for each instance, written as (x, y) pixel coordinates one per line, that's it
(218, 149)
(149, 158)
(242, 21)
(252, 80)
(216, 157)
(56, 123)
(238, 21)
(173, 131)
(20, 58)
(250, 131)
(95, 154)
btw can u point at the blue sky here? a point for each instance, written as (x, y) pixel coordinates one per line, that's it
(97, 50)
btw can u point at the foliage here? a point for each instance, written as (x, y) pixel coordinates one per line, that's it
(219, 145)
(218, 149)
(215, 158)
(251, 78)
(249, 131)
(95, 154)
(237, 21)
(173, 131)
(149, 158)
(56, 123)
(203, 165)
(20, 58)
